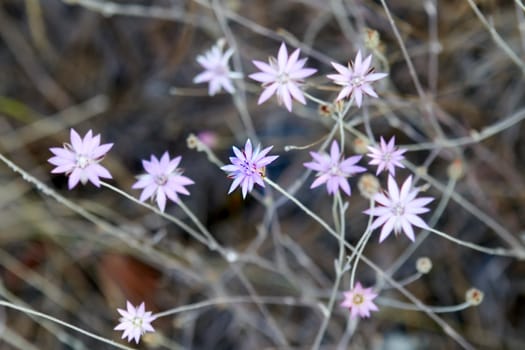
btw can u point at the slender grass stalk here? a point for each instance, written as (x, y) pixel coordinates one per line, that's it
(65, 324)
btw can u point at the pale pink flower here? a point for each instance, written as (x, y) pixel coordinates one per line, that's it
(80, 159)
(248, 167)
(135, 321)
(283, 76)
(386, 156)
(162, 180)
(216, 69)
(356, 79)
(399, 209)
(360, 301)
(209, 138)
(333, 169)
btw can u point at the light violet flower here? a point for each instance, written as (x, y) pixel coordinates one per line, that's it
(360, 301)
(386, 156)
(399, 209)
(135, 321)
(80, 159)
(209, 138)
(356, 79)
(333, 169)
(216, 69)
(283, 76)
(248, 167)
(162, 179)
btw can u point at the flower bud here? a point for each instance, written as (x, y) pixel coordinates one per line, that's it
(192, 141)
(368, 185)
(456, 169)
(325, 110)
(474, 296)
(424, 265)
(360, 145)
(372, 39)
(209, 138)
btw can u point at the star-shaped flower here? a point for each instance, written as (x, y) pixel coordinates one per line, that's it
(80, 159)
(248, 167)
(216, 69)
(135, 321)
(399, 209)
(386, 156)
(360, 301)
(283, 76)
(162, 179)
(333, 169)
(356, 79)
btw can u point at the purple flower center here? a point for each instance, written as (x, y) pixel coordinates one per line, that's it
(249, 168)
(161, 179)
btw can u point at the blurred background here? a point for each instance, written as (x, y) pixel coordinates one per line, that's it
(125, 70)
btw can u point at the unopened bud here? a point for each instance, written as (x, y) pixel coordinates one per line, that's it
(338, 105)
(424, 265)
(372, 39)
(360, 145)
(368, 185)
(192, 141)
(325, 110)
(474, 296)
(456, 169)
